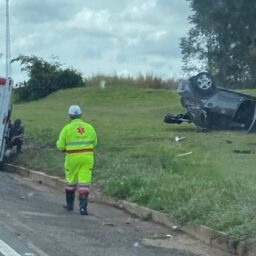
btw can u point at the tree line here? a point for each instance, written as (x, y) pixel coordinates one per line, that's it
(222, 40)
(46, 77)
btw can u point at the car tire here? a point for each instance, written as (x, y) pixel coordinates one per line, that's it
(203, 83)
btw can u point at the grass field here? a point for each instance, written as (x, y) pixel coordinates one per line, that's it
(138, 159)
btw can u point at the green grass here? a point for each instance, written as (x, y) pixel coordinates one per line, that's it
(137, 157)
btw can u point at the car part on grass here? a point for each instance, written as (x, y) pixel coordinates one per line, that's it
(179, 138)
(185, 154)
(244, 151)
(211, 107)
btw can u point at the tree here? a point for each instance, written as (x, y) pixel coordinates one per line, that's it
(68, 78)
(44, 78)
(222, 40)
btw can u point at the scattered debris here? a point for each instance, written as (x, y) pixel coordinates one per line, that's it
(136, 244)
(30, 194)
(185, 154)
(244, 151)
(175, 227)
(159, 236)
(108, 224)
(179, 138)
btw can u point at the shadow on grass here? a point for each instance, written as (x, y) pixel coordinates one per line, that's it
(181, 128)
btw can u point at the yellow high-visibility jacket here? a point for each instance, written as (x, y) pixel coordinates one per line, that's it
(77, 136)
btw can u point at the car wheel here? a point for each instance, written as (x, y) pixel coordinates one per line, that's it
(203, 83)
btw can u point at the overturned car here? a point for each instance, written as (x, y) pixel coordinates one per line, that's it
(211, 107)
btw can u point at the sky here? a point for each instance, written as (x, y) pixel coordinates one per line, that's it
(112, 37)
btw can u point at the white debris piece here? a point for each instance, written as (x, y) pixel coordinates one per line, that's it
(179, 138)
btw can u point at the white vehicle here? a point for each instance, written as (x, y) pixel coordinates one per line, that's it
(6, 85)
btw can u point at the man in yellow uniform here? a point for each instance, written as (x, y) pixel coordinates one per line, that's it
(77, 139)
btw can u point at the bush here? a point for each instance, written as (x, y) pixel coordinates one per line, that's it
(142, 81)
(44, 78)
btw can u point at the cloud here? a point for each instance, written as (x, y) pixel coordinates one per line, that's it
(139, 10)
(47, 11)
(100, 36)
(88, 19)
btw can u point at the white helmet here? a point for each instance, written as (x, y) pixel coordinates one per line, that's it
(74, 110)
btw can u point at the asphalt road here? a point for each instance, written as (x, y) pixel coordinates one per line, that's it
(34, 223)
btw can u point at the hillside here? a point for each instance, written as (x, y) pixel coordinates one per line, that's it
(138, 158)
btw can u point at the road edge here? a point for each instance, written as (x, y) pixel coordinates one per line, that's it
(203, 233)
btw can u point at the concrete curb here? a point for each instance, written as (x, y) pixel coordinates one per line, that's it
(209, 236)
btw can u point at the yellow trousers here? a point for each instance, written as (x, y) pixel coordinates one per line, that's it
(78, 169)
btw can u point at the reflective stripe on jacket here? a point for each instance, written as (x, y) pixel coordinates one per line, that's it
(77, 135)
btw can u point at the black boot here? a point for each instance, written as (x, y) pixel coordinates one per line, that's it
(19, 146)
(83, 204)
(70, 197)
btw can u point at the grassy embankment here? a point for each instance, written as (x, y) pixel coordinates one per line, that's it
(137, 157)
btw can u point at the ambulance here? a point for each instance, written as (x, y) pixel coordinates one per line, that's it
(6, 86)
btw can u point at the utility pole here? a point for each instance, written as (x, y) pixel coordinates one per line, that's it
(8, 48)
